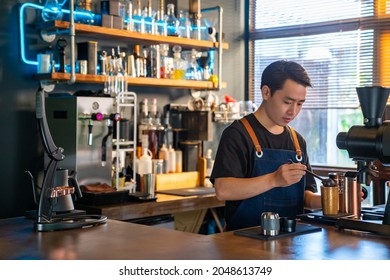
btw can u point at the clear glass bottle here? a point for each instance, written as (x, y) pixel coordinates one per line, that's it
(179, 64)
(121, 81)
(161, 24)
(111, 74)
(128, 18)
(168, 134)
(166, 70)
(143, 116)
(138, 18)
(184, 28)
(172, 22)
(194, 71)
(149, 19)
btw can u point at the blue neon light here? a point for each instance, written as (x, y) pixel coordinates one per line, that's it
(21, 29)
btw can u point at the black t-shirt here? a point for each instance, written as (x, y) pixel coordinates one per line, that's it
(235, 156)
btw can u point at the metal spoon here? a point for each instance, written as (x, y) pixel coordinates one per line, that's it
(325, 182)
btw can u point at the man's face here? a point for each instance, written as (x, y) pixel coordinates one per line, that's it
(285, 104)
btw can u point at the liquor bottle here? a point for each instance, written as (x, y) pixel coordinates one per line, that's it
(166, 62)
(155, 61)
(184, 29)
(168, 134)
(179, 64)
(138, 18)
(139, 62)
(149, 20)
(172, 22)
(161, 24)
(128, 18)
(143, 116)
(160, 131)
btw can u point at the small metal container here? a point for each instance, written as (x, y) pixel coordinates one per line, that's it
(270, 223)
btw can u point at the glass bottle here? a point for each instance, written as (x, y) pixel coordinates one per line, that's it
(138, 18)
(184, 28)
(179, 64)
(143, 116)
(121, 72)
(52, 10)
(149, 15)
(128, 18)
(168, 134)
(172, 22)
(161, 24)
(139, 62)
(194, 71)
(166, 62)
(111, 74)
(155, 61)
(160, 132)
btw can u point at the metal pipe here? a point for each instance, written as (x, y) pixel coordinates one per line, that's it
(72, 79)
(220, 14)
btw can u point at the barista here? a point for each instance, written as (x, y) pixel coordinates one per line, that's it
(261, 161)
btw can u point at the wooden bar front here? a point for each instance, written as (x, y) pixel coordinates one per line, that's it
(118, 240)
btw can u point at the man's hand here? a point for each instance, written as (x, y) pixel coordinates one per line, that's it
(289, 173)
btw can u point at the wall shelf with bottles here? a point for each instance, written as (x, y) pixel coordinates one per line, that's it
(99, 32)
(104, 33)
(153, 82)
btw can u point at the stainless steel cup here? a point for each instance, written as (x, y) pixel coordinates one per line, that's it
(270, 223)
(148, 184)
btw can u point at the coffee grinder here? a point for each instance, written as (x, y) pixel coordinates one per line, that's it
(366, 144)
(52, 189)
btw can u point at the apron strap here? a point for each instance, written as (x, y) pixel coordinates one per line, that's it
(296, 143)
(252, 134)
(256, 142)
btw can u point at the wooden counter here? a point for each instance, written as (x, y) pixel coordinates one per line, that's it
(165, 204)
(118, 240)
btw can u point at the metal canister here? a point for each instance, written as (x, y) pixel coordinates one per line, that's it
(339, 178)
(352, 197)
(270, 223)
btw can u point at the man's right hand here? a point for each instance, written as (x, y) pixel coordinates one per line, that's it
(289, 174)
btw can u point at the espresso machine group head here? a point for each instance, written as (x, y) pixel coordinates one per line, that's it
(369, 143)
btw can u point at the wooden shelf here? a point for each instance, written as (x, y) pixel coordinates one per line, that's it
(104, 33)
(99, 79)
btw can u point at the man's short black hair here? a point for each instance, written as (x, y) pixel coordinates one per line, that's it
(276, 74)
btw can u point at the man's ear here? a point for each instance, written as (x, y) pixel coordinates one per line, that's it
(266, 92)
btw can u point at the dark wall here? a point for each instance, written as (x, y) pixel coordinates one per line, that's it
(20, 145)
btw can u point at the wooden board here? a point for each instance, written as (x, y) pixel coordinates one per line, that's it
(177, 180)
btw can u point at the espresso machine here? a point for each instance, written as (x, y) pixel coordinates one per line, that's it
(366, 145)
(83, 126)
